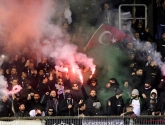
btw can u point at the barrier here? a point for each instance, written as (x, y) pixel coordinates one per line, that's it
(99, 120)
(121, 18)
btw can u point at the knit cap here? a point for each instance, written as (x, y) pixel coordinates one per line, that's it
(135, 92)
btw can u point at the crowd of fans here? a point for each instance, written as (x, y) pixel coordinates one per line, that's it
(48, 92)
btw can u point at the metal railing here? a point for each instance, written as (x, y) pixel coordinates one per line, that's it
(132, 5)
(97, 120)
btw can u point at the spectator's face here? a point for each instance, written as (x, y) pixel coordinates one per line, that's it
(153, 96)
(129, 109)
(132, 56)
(50, 111)
(75, 87)
(4, 98)
(93, 93)
(134, 96)
(59, 14)
(140, 72)
(83, 107)
(126, 84)
(13, 71)
(25, 50)
(36, 97)
(147, 45)
(1, 72)
(112, 81)
(31, 65)
(45, 80)
(140, 25)
(23, 59)
(24, 75)
(108, 85)
(147, 85)
(163, 36)
(129, 45)
(14, 82)
(35, 72)
(153, 63)
(41, 72)
(80, 29)
(106, 6)
(16, 57)
(137, 35)
(53, 72)
(93, 83)
(163, 4)
(68, 38)
(149, 58)
(60, 82)
(59, 74)
(65, 26)
(44, 59)
(22, 107)
(53, 93)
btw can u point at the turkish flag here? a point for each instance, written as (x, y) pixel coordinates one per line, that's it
(105, 35)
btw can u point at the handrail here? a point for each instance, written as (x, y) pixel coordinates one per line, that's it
(133, 5)
(77, 117)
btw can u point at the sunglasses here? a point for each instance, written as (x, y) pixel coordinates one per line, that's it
(50, 111)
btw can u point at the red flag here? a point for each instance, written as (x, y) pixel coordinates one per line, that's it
(105, 35)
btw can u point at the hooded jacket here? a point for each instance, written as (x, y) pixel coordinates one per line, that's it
(157, 102)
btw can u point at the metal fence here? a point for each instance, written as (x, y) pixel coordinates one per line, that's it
(121, 18)
(102, 120)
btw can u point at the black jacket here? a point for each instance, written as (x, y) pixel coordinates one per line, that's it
(89, 105)
(21, 114)
(136, 81)
(77, 111)
(117, 105)
(64, 111)
(52, 102)
(5, 110)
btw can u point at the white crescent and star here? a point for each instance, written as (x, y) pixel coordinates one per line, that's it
(101, 36)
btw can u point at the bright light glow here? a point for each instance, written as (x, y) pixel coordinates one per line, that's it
(80, 77)
(65, 69)
(3, 56)
(73, 70)
(93, 70)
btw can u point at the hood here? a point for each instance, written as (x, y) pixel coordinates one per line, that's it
(155, 91)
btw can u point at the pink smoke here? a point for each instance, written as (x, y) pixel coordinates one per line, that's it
(28, 22)
(22, 21)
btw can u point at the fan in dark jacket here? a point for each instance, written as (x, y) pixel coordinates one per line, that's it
(131, 115)
(51, 101)
(80, 109)
(33, 102)
(67, 105)
(22, 112)
(5, 110)
(116, 103)
(91, 103)
(153, 103)
(76, 92)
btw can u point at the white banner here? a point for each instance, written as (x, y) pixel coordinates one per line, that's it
(103, 122)
(21, 122)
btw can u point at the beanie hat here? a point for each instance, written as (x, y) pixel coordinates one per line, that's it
(68, 95)
(135, 92)
(118, 92)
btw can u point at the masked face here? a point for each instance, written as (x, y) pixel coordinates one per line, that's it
(147, 85)
(134, 96)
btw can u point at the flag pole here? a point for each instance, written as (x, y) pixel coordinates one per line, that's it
(93, 35)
